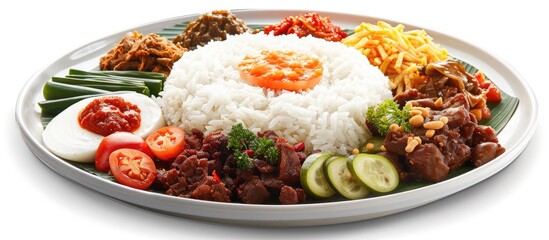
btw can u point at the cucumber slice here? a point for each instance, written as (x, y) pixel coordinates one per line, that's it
(342, 180)
(376, 172)
(312, 176)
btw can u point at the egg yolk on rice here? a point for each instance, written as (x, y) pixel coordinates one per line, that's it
(281, 70)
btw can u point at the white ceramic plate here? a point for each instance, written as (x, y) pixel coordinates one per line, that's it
(514, 137)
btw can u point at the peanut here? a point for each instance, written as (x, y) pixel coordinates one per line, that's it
(394, 127)
(444, 119)
(430, 133)
(411, 146)
(416, 121)
(415, 112)
(435, 125)
(424, 111)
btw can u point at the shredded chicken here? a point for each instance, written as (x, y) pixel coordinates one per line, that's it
(143, 53)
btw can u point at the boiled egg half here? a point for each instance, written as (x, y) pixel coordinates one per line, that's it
(65, 137)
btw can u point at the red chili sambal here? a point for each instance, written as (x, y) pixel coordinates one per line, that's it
(109, 114)
(307, 24)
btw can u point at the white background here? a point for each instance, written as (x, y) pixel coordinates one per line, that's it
(37, 202)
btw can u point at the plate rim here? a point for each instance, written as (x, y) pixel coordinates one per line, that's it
(275, 215)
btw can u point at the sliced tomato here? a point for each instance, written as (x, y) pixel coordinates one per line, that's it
(132, 168)
(167, 143)
(117, 141)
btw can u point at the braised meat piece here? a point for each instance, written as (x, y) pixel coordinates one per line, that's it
(460, 120)
(150, 53)
(457, 100)
(485, 152)
(467, 130)
(215, 165)
(186, 172)
(178, 161)
(171, 182)
(301, 195)
(424, 102)
(271, 182)
(269, 134)
(455, 153)
(263, 166)
(288, 195)
(214, 26)
(212, 190)
(229, 184)
(229, 168)
(395, 142)
(484, 134)
(457, 116)
(193, 140)
(180, 188)
(215, 143)
(289, 163)
(427, 161)
(411, 95)
(194, 170)
(253, 191)
(165, 179)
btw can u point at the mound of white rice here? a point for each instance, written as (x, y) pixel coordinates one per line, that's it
(204, 91)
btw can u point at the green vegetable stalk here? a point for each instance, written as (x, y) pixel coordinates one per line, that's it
(62, 92)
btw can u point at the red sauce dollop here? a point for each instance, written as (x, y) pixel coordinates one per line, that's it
(106, 115)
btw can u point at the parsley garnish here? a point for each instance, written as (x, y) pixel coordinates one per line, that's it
(386, 113)
(241, 139)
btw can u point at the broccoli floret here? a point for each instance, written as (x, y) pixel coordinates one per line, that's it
(386, 113)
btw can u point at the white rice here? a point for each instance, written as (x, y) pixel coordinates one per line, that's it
(204, 91)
